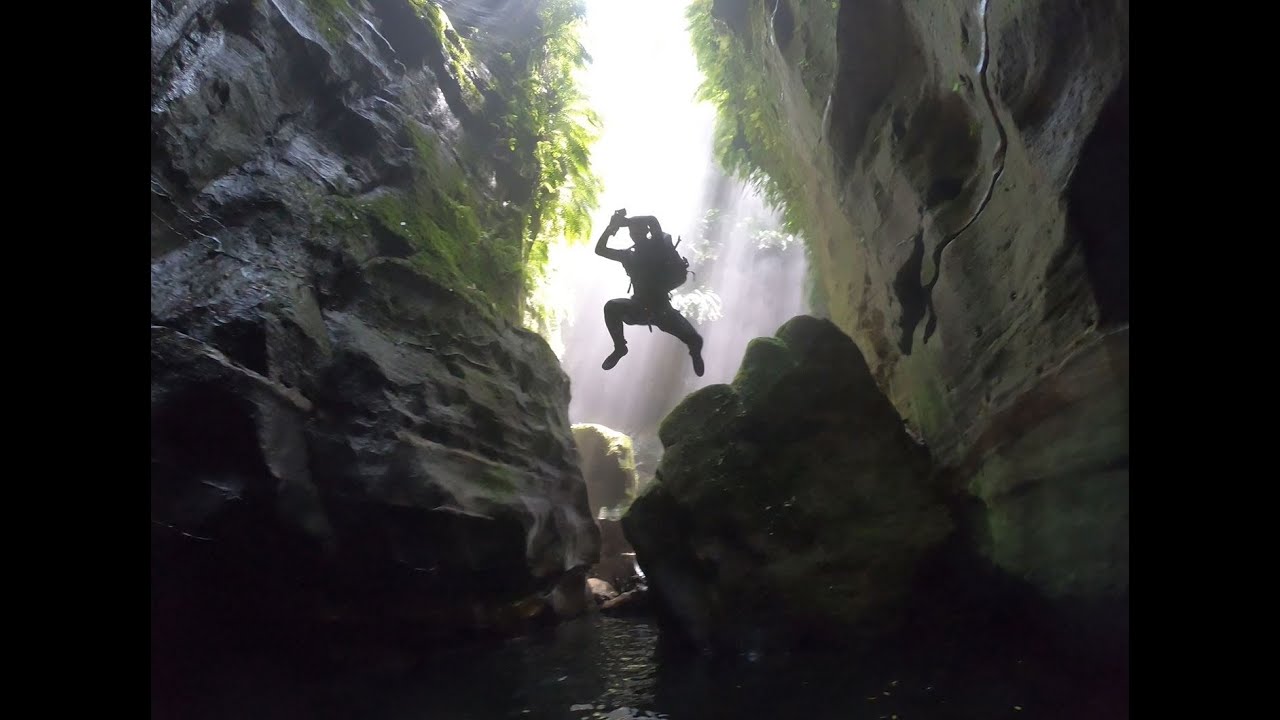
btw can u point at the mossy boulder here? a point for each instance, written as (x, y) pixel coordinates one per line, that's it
(790, 503)
(608, 465)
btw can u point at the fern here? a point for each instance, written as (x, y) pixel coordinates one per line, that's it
(550, 130)
(748, 140)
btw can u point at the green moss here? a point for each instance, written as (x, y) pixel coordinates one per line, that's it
(329, 16)
(457, 52)
(816, 290)
(927, 398)
(618, 469)
(766, 360)
(338, 216)
(617, 444)
(707, 411)
(544, 121)
(495, 255)
(438, 217)
(431, 12)
(499, 481)
(752, 140)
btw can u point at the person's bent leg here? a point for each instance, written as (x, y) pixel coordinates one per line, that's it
(675, 324)
(615, 311)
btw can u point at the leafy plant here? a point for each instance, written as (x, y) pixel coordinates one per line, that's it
(549, 129)
(700, 305)
(748, 138)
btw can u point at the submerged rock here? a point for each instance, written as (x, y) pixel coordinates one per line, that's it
(632, 602)
(601, 591)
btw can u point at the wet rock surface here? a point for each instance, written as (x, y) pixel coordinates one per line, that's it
(789, 505)
(348, 444)
(965, 172)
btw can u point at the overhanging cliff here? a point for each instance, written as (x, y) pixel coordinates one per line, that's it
(960, 171)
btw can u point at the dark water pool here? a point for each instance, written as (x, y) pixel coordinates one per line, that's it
(601, 667)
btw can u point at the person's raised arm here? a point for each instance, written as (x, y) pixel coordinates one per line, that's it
(602, 245)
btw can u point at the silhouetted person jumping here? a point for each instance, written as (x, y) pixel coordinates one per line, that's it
(655, 270)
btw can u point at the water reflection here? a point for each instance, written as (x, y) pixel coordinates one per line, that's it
(601, 667)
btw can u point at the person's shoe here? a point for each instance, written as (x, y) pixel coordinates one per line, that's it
(697, 361)
(614, 357)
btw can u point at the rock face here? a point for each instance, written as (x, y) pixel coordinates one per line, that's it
(962, 170)
(344, 433)
(791, 503)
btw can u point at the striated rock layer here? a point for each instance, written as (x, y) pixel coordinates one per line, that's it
(961, 170)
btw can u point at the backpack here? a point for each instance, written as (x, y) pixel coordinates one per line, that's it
(660, 267)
